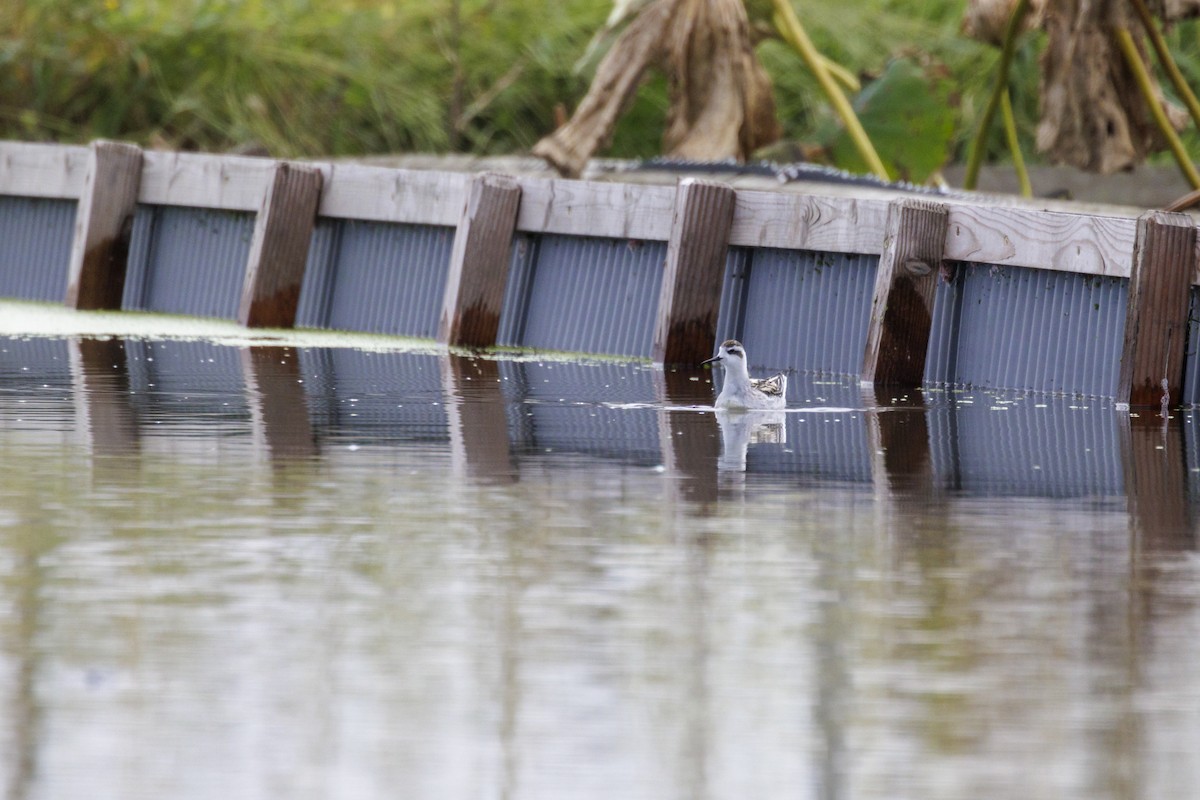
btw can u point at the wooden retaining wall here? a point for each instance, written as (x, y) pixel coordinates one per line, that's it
(917, 247)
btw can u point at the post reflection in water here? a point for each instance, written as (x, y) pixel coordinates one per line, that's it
(689, 441)
(578, 578)
(104, 413)
(898, 438)
(278, 402)
(1156, 483)
(477, 419)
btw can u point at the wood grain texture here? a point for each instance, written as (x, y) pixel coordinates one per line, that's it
(279, 247)
(1023, 237)
(200, 180)
(808, 222)
(1156, 315)
(592, 208)
(103, 226)
(685, 329)
(42, 170)
(479, 262)
(902, 306)
(382, 194)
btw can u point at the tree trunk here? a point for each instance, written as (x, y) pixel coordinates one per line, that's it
(986, 20)
(722, 105)
(721, 100)
(1093, 115)
(1172, 10)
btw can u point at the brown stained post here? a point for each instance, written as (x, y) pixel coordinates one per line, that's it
(103, 226)
(479, 261)
(685, 331)
(279, 247)
(1156, 315)
(902, 309)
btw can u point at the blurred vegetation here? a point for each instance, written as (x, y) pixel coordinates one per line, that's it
(348, 77)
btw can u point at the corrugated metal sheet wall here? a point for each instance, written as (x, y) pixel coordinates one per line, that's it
(1002, 327)
(312, 311)
(37, 247)
(173, 381)
(798, 310)
(561, 412)
(733, 293)
(516, 294)
(1015, 328)
(971, 442)
(375, 397)
(376, 277)
(585, 294)
(1191, 365)
(187, 261)
(1055, 450)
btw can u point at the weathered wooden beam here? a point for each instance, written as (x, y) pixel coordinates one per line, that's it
(1156, 314)
(479, 261)
(596, 208)
(42, 170)
(383, 194)
(204, 180)
(1090, 244)
(808, 222)
(103, 226)
(902, 308)
(279, 247)
(685, 330)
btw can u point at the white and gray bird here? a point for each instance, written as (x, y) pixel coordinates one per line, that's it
(740, 390)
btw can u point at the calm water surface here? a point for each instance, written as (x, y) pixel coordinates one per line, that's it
(265, 572)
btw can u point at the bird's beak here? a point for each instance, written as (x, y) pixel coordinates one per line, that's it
(712, 360)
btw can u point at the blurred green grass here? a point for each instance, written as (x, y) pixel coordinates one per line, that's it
(350, 77)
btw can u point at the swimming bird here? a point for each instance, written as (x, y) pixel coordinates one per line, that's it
(740, 390)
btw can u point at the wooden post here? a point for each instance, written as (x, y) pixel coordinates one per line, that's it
(279, 247)
(902, 309)
(1156, 315)
(685, 331)
(103, 226)
(479, 261)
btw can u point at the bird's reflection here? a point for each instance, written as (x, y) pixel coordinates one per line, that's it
(740, 429)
